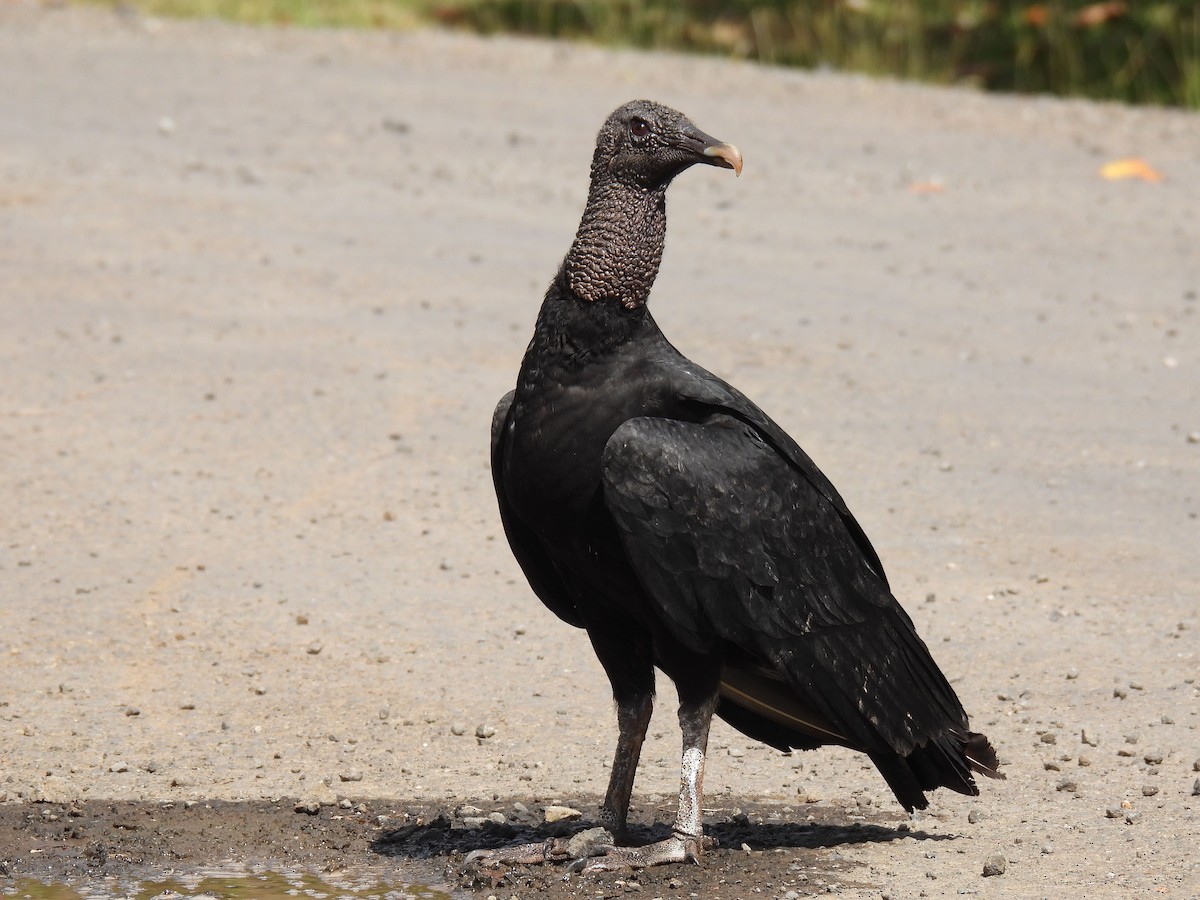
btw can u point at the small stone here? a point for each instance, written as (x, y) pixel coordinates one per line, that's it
(1114, 812)
(974, 816)
(736, 752)
(497, 818)
(1136, 686)
(352, 775)
(995, 864)
(1131, 817)
(1072, 673)
(520, 808)
(1047, 849)
(589, 842)
(1049, 738)
(1051, 766)
(314, 648)
(484, 731)
(1066, 784)
(308, 807)
(1085, 760)
(458, 728)
(301, 619)
(561, 814)
(1120, 693)
(1196, 765)
(1153, 757)
(166, 126)
(119, 767)
(187, 704)
(1166, 720)
(466, 810)
(1196, 788)
(1089, 738)
(133, 711)
(1149, 790)
(345, 803)
(474, 823)
(1131, 738)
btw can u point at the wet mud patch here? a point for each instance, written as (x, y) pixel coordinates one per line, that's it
(764, 850)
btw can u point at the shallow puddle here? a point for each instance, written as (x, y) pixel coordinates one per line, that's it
(226, 886)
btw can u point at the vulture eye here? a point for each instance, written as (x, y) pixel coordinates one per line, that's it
(639, 128)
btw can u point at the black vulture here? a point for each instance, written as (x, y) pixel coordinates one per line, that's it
(655, 506)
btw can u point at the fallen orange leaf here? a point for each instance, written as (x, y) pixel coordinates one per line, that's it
(926, 187)
(1133, 167)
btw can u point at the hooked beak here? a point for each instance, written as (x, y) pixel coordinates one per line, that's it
(713, 151)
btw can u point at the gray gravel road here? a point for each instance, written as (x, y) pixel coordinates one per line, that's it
(260, 289)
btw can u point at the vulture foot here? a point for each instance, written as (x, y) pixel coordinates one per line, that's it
(675, 849)
(579, 847)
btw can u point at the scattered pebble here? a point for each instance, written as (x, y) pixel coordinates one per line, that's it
(497, 818)
(1085, 760)
(1072, 673)
(314, 648)
(352, 775)
(133, 711)
(1049, 738)
(1066, 784)
(1114, 812)
(119, 767)
(1196, 788)
(1166, 720)
(995, 864)
(1153, 757)
(166, 125)
(1120, 693)
(1089, 738)
(561, 814)
(484, 731)
(974, 816)
(1131, 738)
(308, 807)
(458, 728)
(1149, 790)
(1047, 849)
(587, 842)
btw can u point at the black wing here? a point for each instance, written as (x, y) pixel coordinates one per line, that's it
(738, 541)
(539, 568)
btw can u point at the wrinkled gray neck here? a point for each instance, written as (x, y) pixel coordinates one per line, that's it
(619, 245)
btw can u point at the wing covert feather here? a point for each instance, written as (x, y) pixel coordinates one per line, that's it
(733, 544)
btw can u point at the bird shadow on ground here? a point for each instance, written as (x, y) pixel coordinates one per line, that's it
(769, 846)
(443, 833)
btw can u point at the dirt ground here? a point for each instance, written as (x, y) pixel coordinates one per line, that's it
(259, 292)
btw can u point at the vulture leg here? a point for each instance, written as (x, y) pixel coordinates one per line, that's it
(625, 653)
(697, 703)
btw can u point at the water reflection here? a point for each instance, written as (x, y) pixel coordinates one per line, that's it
(222, 885)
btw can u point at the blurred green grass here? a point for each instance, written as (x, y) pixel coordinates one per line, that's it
(1136, 52)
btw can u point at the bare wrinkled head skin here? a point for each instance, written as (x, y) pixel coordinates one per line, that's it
(646, 143)
(619, 244)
